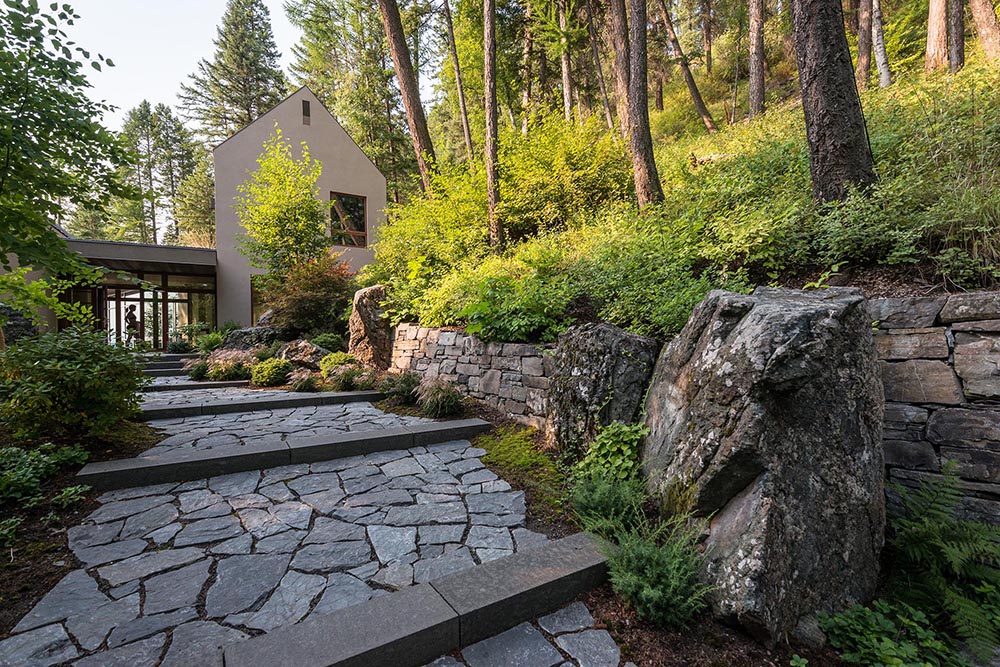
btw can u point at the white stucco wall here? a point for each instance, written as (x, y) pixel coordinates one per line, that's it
(346, 169)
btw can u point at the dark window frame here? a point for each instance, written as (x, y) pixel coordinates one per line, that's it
(357, 235)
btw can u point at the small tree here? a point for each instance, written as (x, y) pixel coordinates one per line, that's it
(313, 297)
(281, 210)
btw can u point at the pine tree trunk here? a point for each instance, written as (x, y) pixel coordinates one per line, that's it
(490, 88)
(647, 180)
(706, 33)
(839, 155)
(936, 56)
(675, 45)
(863, 68)
(596, 54)
(565, 64)
(956, 35)
(658, 99)
(852, 17)
(466, 130)
(878, 46)
(618, 28)
(987, 27)
(756, 80)
(526, 105)
(409, 90)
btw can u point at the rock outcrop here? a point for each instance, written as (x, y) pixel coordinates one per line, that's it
(767, 410)
(251, 337)
(371, 337)
(302, 353)
(600, 375)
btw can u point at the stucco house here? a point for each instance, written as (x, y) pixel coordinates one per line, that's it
(212, 286)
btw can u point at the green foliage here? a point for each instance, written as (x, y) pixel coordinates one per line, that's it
(513, 453)
(267, 352)
(22, 471)
(944, 565)
(227, 365)
(197, 369)
(887, 635)
(334, 361)
(439, 398)
(210, 341)
(313, 295)
(30, 296)
(281, 209)
(328, 341)
(608, 506)
(71, 495)
(303, 380)
(68, 383)
(400, 389)
(614, 452)
(798, 661)
(271, 372)
(179, 347)
(8, 530)
(194, 205)
(350, 378)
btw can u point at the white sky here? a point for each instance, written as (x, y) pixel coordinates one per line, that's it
(155, 45)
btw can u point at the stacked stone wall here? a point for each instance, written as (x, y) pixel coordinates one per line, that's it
(511, 377)
(940, 359)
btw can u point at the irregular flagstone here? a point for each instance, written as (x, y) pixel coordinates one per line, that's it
(165, 534)
(435, 568)
(390, 543)
(136, 654)
(478, 477)
(380, 498)
(209, 530)
(282, 543)
(176, 589)
(236, 546)
(75, 593)
(198, 499)
(412, 515)
(487, 537)
(148, 521)
(326, 530)
(330, 557)
(137, 492)
(196, 644)
(147, 626)
(324, 502)
(284, 473)
(497, 503)
(43, 647)
(315, 483)
(146, 564)
(294, 514)
(571, 618)
(395, 576)
(591, 648)
(249, 500)
(486, 555)
(363, 484)
(93, 534)
(521, 646)
(525, 539)
(124, 508)
(402, 468)
(342, 590)
(240, 581)
(92, 627)
(441, 534)
(107, 553)
(288, 604)
(278, 492)
(462, 466)
(236, 484)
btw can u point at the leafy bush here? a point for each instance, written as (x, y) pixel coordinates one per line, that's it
(439, 398)
(71, 495)
(608, 506)
(400, 389)
(22, 471)
(334, 361)
(658, 571)
(328, 341)
(227, 365)
(889, 634)
(302, 380)
(197, 369)
(179, 346)
(8, 529)
(210, 342)
(944, 565)
(271, 372)
(614, 452)
(68, 383)
(312, 296)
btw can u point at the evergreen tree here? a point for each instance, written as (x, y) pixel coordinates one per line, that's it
(243, 79)
(139, 133)
(194, 210)
(174, 160)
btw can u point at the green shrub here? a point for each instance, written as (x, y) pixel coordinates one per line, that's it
(197, 369)
(889, 634)
(71, 495)
(267, 352)
(179, 346)
(334, 361)
(271, 372)
(608, 506)
(614, 452)
(400, 389)
(312, 296)
(944, 565)
(68, 383)
(22, 471)
(228, 365)
(657, 570)
(348, 378)
(439, 398)
(8, 530)
(328, 341)
(210, 342)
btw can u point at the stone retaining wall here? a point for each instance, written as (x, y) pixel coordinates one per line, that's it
(940, 361)
(511, 377)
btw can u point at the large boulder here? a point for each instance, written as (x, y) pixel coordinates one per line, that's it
(251, 337)
(767, 411)
(302, 353)
(599, 375)
(371, 337)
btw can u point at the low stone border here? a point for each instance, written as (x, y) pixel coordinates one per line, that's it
(144, 471)
(196, 384)
(413, 626)
(267, 401)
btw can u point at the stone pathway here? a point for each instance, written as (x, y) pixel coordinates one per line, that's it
(168, 398)
(172, 571)
(206, 432)
(565, 638)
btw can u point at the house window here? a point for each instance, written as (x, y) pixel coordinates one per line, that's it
(347, 220)
(305, 112)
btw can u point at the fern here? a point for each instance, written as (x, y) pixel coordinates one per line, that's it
(947, 565)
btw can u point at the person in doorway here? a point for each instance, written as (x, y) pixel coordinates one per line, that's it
(131, 325)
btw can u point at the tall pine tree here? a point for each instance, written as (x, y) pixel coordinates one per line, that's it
(194, 205)
(243, 78)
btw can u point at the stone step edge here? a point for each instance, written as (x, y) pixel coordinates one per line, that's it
(168, 364)
(196, 384)
(417, 624)
(229, 406)
(164, 372)
(145, 471)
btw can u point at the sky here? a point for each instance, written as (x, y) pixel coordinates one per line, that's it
(156, 45)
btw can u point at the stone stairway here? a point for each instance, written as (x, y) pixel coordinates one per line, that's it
(166, 365)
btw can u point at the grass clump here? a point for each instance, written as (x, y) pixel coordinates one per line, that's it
(400, 389)
(438, 398)
(334, 361)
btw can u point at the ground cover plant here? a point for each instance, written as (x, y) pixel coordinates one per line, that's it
(270, 372)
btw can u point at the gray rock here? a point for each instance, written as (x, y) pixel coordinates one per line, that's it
(402, 468)
(390, 543)
(972, 306)
(289, 603)
(487, 537)
(445, 661)
(146, 564)
(278, 492)
(478, 477)
(137, 654)
(441, 534)
(165, 534)
(43, 647)
(282, 543)
(197, 644)
(106, 553)
(331, 530)
(251, 337)
(381, 498)
(906, 313)
(315, 483)
(769, 409)
(526, 539)
(249, 500)
(147, 626)
(521, 646)
(571, 618)
(330, 557)
(124, 508)
(418, 515)
(921, 381)
(240, 581)
(148, 521)
(342, 590)
(236, 546)
(449, 563)
(591, 648)
(370, 339)
(463, 466)
(324, 502)
(93, 534)
(302, 353)
(497, 503)
(235, 484)
(600, 375)
(486, 555)
(977, 362)
(92, 627)
(898, 344)
(176, 589)
(395, 576)
(208, 530)
(198, 499)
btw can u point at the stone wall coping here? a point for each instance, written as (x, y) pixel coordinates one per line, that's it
(266, 401)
